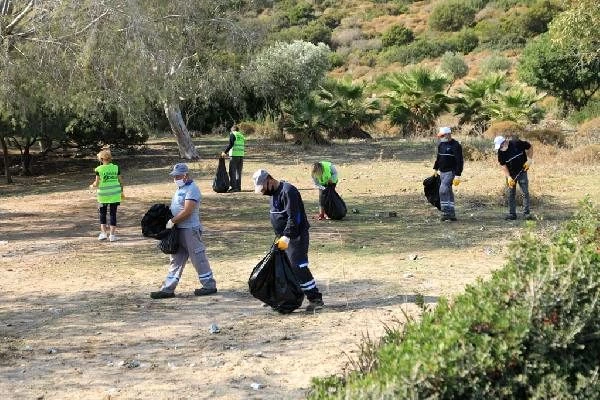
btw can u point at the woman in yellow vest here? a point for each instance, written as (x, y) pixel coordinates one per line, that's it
(323, 174)
(110, 192)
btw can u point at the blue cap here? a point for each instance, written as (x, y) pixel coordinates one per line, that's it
(179, 169)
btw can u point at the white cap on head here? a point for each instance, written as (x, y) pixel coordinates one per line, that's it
(444, 130)
(259, 178)
(498, 140)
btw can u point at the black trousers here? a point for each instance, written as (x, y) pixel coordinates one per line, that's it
(236, 163)
(112, 208)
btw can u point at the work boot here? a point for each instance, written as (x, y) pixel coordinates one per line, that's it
(204, 291)
(314, 305)
(510, 217)
(161, 295)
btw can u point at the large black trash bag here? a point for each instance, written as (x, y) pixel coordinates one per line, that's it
(333, 205)
(169, 244)
(155, 220)
(431, 187)
(273, 282)
(221, 181)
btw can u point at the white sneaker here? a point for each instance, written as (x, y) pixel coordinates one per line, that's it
(102, 236)
(112, 238)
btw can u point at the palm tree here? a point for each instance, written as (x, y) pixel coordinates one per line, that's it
(349, 110)
(471, 100)
(415, 99)
(517, 103)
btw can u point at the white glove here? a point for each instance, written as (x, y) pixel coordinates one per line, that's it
(170, 224)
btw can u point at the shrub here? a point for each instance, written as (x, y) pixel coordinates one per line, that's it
(531, 331)
(590, 111)
(453, 66)
(504, 128)
(397, 35)
(451, 15)
(589, 131)
(553, 137)
(464, 41)
(495, 63)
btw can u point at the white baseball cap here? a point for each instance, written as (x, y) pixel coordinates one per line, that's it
(498, 140)
(259, 178)
(444, 130)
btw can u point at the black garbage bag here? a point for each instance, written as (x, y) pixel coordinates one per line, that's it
(333, 205)
(155, 220)
(431, 187)
(169, 244)
(273, 282)
(221, 181)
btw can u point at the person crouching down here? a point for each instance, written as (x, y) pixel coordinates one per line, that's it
(290, 224)
(449, 163)
(512, 157)
(324, 174)
(185, 207)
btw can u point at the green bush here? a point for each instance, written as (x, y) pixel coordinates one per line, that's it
(495, 63)
(530, 332)
(397, 35)
(590, 111)
(453, 66)
(464, 41)
(451, 15)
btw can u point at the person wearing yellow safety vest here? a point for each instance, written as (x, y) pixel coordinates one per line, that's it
(324, 174)
(236, 149)
(110, 192)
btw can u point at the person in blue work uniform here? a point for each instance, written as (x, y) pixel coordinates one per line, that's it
(449, 165)
(512, 157)
(290, 224)
(185, 207)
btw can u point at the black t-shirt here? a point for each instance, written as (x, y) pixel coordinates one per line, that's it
(514, 157)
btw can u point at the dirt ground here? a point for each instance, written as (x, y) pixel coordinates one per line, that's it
(76, 320)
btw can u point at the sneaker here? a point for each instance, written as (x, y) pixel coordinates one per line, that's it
(161, 295)
(204, 291)
(510, 217)
(314, 305)
(112, 238)
(102, 236)
(447, 218)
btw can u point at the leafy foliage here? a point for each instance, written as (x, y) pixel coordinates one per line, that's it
(560, 71)
(451, 15)
(397, 35)
(415, 99)
(453, 66)
(531, 331)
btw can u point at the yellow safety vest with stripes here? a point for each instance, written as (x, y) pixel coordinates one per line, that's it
(109, 187)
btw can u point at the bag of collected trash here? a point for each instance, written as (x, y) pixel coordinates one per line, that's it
(273, 282)
(431, 187)
(169, 244)
(155, 220)
(333, 205)
(221, 181)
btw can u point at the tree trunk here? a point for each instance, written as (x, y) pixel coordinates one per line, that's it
(5, 157)
(187, 150)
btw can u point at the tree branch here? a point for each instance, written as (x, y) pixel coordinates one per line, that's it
(19, 17)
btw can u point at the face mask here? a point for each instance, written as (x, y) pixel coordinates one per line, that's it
(179, 182)
(444, 140)
(268, 192)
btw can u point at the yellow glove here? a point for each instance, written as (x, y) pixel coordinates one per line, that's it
(456, 181)
(526, 166)
(436, 172)
(511, 182)
(282, 242)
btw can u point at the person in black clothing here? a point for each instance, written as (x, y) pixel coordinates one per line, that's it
(449, 165)
(290, 224)
(236, 149)
(512, 156)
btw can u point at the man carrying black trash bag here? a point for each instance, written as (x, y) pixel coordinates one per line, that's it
(290, 224)
(185, 207)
